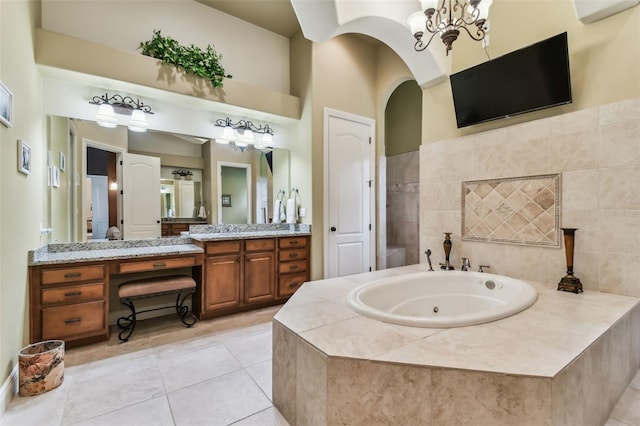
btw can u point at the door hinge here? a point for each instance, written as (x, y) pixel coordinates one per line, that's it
(121, 162)
(370, 183)
(121, 193)
(369, 268)
(369, 140)
(121, 222)
(369, 227)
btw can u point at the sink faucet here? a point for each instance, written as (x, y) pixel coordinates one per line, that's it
(466, 264)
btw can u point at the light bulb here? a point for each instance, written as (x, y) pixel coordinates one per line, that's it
(417, 22)
(138, 122)
(106, 117)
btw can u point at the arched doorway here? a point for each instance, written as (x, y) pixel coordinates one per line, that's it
(403, 130)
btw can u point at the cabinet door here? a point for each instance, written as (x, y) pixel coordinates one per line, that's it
(222, 282)
(259, 274)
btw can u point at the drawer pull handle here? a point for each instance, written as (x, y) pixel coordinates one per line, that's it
(72, 320)
(293, 267)
(293, 243)
(159, 265)
(293, 285)
(73, 293)
(73, 274)
(293, 255)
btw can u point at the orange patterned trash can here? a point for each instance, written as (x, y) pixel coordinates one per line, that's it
(40, 367)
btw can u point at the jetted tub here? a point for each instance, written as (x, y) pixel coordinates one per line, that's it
(442, 299)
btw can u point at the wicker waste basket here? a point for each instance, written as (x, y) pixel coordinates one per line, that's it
(41, 367)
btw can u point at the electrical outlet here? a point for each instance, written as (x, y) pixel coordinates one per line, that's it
(486, 27)
(302, 212)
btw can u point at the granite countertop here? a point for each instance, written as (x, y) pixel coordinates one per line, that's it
(245, 235)
(247, 231)
(59, 253)
(110, 250)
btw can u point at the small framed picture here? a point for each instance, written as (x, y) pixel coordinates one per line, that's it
(6, 106)
(55, 177)
(63, 162)
(24, 157)
(226, 200)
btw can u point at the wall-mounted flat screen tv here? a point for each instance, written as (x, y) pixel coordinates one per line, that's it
(532, 78)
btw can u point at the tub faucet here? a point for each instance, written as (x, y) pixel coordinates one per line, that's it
(428, 253)
(481, 267)
(466, 264)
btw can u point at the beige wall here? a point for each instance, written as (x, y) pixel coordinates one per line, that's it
(58, 208)
(604, 60)
(403, 119)
(22, 197)
(339, 66)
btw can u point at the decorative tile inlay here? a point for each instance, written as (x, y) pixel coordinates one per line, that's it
(520, 210)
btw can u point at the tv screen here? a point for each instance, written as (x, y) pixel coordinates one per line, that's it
(532, 78)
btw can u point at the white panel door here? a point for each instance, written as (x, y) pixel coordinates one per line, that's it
(186, 195)
(99, 207)
(349, 161)
(140, 190)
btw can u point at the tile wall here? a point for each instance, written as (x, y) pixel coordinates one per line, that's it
(597, 150)
(402, 204)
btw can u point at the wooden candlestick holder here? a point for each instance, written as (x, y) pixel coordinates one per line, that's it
(569, 282)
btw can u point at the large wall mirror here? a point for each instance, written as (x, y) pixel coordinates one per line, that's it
(85, 195)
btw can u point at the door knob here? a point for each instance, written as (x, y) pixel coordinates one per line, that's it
(333, 229)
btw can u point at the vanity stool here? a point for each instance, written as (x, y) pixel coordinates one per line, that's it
(129, 291)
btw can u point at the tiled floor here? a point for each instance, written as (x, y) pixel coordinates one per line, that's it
(217, 373)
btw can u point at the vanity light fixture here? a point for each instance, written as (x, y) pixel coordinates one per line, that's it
(446, 17)
(244, 135)
(124, 105)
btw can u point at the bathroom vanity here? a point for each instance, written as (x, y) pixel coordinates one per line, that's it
(248, 269)
(235, 267)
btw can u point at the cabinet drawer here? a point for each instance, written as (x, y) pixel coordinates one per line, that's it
(177, 228)
(294, 254)
(72, 294)
(71, 320)
(223, 247)
(296, 266)
(260, 245)
(288, 284)
(292, 242)
(156, 265)
(70, 275)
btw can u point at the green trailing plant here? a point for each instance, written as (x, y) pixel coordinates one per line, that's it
(203, 63)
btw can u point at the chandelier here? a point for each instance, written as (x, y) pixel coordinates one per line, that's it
(446, 18)
(124, 105)
(242, 135)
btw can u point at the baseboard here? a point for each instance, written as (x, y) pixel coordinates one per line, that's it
(8, 390)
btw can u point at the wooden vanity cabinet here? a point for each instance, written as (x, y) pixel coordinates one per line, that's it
(222, 276)
(252, 273)
(172, 229)
(259, 270)
(293, 264)
(69, 302)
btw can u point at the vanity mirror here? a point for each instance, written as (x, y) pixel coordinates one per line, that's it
(73, 208)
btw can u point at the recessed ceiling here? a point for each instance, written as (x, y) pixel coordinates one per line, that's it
(273, 15)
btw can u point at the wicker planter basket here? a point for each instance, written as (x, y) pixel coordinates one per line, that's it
(41, 367)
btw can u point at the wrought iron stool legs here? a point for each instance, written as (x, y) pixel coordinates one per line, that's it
(128, 324)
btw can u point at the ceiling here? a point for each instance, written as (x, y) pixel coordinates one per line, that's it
(274, 15)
